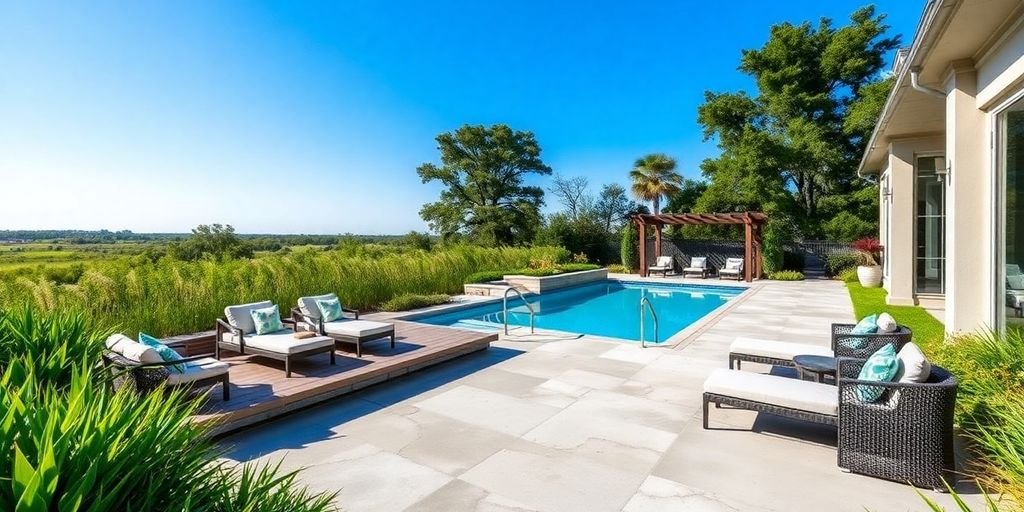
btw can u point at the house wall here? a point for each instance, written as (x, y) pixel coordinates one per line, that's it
(969, 241)
(1001, 70)
(900, 252)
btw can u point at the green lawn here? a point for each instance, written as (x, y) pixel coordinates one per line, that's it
(927, 330)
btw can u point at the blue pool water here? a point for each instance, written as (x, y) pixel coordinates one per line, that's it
(608, 308)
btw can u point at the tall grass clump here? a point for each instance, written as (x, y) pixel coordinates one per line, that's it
(69, 442)
(173, 297)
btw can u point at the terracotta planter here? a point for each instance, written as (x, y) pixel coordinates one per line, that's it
(870, 277)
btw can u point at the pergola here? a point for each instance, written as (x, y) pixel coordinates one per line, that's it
(753, 222)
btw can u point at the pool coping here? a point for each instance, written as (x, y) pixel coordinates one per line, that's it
(675, 341)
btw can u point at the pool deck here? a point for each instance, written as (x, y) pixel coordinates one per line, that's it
(260, 390)
(583, 424)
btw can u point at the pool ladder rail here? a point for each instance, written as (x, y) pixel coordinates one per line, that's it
(504, 307)
(644, 301)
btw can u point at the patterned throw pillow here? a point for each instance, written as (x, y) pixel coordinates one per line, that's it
(867, 325)
(267, 320)
(880, 367)
(166, 353)
(330, 309)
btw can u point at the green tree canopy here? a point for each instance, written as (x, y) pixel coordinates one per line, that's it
(799, 140)
(485, 198)
(211, 240)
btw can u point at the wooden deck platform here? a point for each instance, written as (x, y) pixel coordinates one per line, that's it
(260, 391)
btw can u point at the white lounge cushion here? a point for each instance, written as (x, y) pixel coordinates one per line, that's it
(664, 262)
(357, 328)
(198, 370)
(281, 342)
(913, 365)
(694, 269)
(308, 307)
(132, 350)
(698, 263)
(776, 349)
(771, 389)
(733, 264)
(240, 316)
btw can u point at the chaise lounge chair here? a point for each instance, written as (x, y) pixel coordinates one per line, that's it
(237, 332)
(843, 343)
(699, 266)
(663, 265)
(140, 366)
(1015, 288)
(733, 269)
(905, 436)
(343, 330)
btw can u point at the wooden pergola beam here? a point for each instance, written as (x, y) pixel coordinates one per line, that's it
(752, 223)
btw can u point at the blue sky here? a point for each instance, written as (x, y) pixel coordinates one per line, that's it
(311, 117)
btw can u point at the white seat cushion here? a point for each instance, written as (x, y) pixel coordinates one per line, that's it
(771, 389)
(282, 342)
(308, 304)
(357, 328)
(694, 269)
(776, 349)
(240, 316)
(198, 370)
(699, 262)
(132, 350)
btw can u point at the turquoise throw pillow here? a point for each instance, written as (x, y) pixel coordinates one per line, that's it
(166, 353)
(330, 309)
(867, 325)
(880, 367)
(267, 320)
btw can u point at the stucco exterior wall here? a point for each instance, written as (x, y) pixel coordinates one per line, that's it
(969, 244)
(1001, 69)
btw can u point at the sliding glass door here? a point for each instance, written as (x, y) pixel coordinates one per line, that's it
(930, 229)
(1010, 127)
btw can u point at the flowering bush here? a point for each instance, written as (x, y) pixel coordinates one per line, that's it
(869, 250)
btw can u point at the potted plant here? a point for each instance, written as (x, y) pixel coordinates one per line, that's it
(869, 254)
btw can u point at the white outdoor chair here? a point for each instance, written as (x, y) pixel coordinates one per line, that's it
(663, 265)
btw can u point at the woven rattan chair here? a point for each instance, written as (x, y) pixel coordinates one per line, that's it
(906, 435)
(843, 343)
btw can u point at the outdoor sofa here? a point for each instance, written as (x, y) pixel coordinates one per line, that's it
(843, 343)
(141, 367)
(906, 435)
(663, 265)
(698, 266)
(733, 269)
(343, 330)
(237, 332)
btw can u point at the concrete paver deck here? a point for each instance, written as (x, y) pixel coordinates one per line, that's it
(582, 424)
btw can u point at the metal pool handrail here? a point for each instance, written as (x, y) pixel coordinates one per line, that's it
(645, 300)
(504, 307)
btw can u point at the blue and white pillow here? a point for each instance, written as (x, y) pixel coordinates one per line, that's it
(330, 309)
(166, 353)
(267, 320)
(882, 366)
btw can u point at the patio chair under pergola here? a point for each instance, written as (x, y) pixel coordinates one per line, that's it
(753, 223)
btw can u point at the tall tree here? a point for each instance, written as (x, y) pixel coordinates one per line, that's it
(485, 199)
(572, 193)
(654, 176)
(613, 208)
(799, 140)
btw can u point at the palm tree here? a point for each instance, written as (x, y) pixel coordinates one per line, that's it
(654, 176)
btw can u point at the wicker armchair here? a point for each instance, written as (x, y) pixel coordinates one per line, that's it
(906, 436)
(843, 338)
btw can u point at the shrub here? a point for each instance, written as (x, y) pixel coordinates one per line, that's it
(849, 276)
(630, 248)
(577, 267)
(484, 277)
(618, 269)
(786, 275)
(173, 297)
(836, 264)
(409, 301)
(772, 248)
(868, 251)
(68, 442)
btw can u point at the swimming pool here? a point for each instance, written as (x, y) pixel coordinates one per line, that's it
(609, 308)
